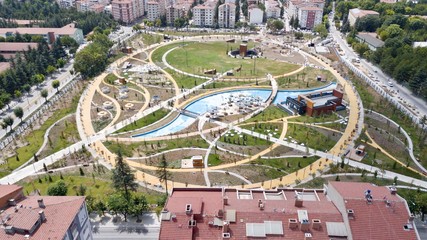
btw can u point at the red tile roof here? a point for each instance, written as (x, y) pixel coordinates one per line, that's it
(65, 30)
(247, 211)
(7, 189)
(59, 211)
(16, 46)
(382, 219)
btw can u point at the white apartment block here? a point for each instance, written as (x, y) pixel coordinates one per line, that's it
(255, 15)
(153, 11)
(227, 15)
(66, 3)
(127, 10)
(310, 17)
(272, 9)
(203, 15)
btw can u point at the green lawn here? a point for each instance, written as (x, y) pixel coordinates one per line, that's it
(307, 78)
(149, 39)
(265, 128)
(214, 160)
(226, 84)
(316, 119)
(35, 138)
(145, 121)
(110, 78)
(270, 113)
(158, 53)
(287, 164)
(153, 147)
(184, 81)
(245, 140)
(310, 137)
(97, 188)
(68, 132)
(197, 57)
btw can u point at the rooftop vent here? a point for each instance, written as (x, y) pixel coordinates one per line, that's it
(41, 203)
(262, 206)
(308, 236)
(226, 235)
(259, 202)
(368, 196)
(220, 213)
(316, 224)
(393, 190)
(225, 199)
(11, 202)
(411, 218)
(350, 213)
(293, 224)
(226, 227)
(298, 201)
(305, 225)
(42, 216)
(188, 209)
(191, 223)
(9, 230)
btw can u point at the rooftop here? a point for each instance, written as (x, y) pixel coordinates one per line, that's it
(65, 30)
(16, 46)
(59, 213)
(371, 39)
(358, 13)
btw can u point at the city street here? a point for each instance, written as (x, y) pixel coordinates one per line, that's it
(30, 103)
(403, 92)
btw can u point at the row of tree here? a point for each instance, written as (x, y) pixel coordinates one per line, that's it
(52, 15)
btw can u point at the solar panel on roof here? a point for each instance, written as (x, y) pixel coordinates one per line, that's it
(255, 230)
(273, 227)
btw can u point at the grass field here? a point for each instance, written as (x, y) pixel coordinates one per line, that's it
(287, 164)
(197, 57)
(307, 78)
(35, 138)
(243, 139)
(270, 113)
(145, 121)
(312, 138)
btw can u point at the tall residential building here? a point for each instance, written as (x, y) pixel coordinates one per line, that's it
(42, 217)
(127, 10)
(203, 15)
(176, 11)
(272, 9)
(153, 11)
(255, 14)
(309, 17)
(227, 15)
(341, 210)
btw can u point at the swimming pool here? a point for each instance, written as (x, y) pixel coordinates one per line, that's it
(202, 105)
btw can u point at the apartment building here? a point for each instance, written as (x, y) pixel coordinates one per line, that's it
(50, 34)
(308, 12)
(203, 14)
(309, 17)
(341, 210)
(272, 9)
(175, 11)
(66, 3)
(127, 11)
(227, 15)
(153, 11)
(42, 217)
(255, 14)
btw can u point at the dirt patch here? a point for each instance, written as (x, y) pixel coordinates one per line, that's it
(255, 173)
(173, 158)
(223, 179)
(163, 92)
(283, 151)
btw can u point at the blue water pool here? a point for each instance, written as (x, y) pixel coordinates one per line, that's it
(204, 104)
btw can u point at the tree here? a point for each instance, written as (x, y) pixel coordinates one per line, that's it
(138, 205)
(17, 94)
(50, 69)
(55, 84)
(275, 25)
(368, 23)
(60, 63)
(321, 30)
(7, 122)
(100, 207)
(162, 172)
(59, 188)
(118, 204)
(19, 112)
(44, 94)
(37, 79)
(123, 177)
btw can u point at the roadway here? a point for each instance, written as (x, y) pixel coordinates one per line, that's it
(32, 101)
(402, 91)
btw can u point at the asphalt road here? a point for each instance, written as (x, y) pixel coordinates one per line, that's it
(403, 92)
